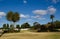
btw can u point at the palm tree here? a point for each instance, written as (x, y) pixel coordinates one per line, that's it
(15, 17)
(51, 28)
(9, 16)
(51, 17)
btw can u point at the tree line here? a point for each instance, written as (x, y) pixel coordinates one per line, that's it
(15, 17)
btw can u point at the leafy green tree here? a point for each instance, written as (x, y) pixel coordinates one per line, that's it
(7, 26)
(57, 24)
(18, 27)
(11, 28)
(43, 28)
(4, 26)
(25, 25)
(36, 25)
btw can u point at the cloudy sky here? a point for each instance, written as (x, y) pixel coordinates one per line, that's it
(30, 10)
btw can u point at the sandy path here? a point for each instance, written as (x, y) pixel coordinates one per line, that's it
(31, 35)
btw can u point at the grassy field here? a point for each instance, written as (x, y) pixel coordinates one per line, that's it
(31, 35)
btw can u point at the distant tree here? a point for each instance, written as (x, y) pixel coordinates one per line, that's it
(7, 26)
(36, 25)
(57, 24)
(49, 23)
(43, 28)
(4, 26)
(11, 28)
(25, 25)
(18, 27)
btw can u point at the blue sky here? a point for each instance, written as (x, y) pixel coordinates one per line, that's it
(30, 10)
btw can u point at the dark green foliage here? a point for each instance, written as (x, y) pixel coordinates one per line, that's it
(43, 28)
(11, 28)
(7, 26)
(51, 17)
(15, 17)
(57, 23)
(51, 28)
(18, 27)
(36, 25)
(9, 16)
(4, 26)
(25, 25)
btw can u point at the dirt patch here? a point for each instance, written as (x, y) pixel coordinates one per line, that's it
(31, 35)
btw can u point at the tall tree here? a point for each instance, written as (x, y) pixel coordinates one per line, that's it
(51, 17)
(9, 16)
(51, 27)
(15, 17)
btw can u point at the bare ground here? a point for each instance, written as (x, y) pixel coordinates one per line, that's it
(32, 35)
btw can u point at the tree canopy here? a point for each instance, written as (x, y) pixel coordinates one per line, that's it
(25, 25)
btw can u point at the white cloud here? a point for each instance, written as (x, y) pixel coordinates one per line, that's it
(55, 1)
(41, 12)
(38, 17)
(24, 1)
(51, 9)
(24, 16)
(2, 14)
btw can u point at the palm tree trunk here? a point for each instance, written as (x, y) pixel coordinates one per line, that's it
(52, 21)
(52, 25)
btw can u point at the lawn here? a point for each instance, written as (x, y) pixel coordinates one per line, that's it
(31, 35)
